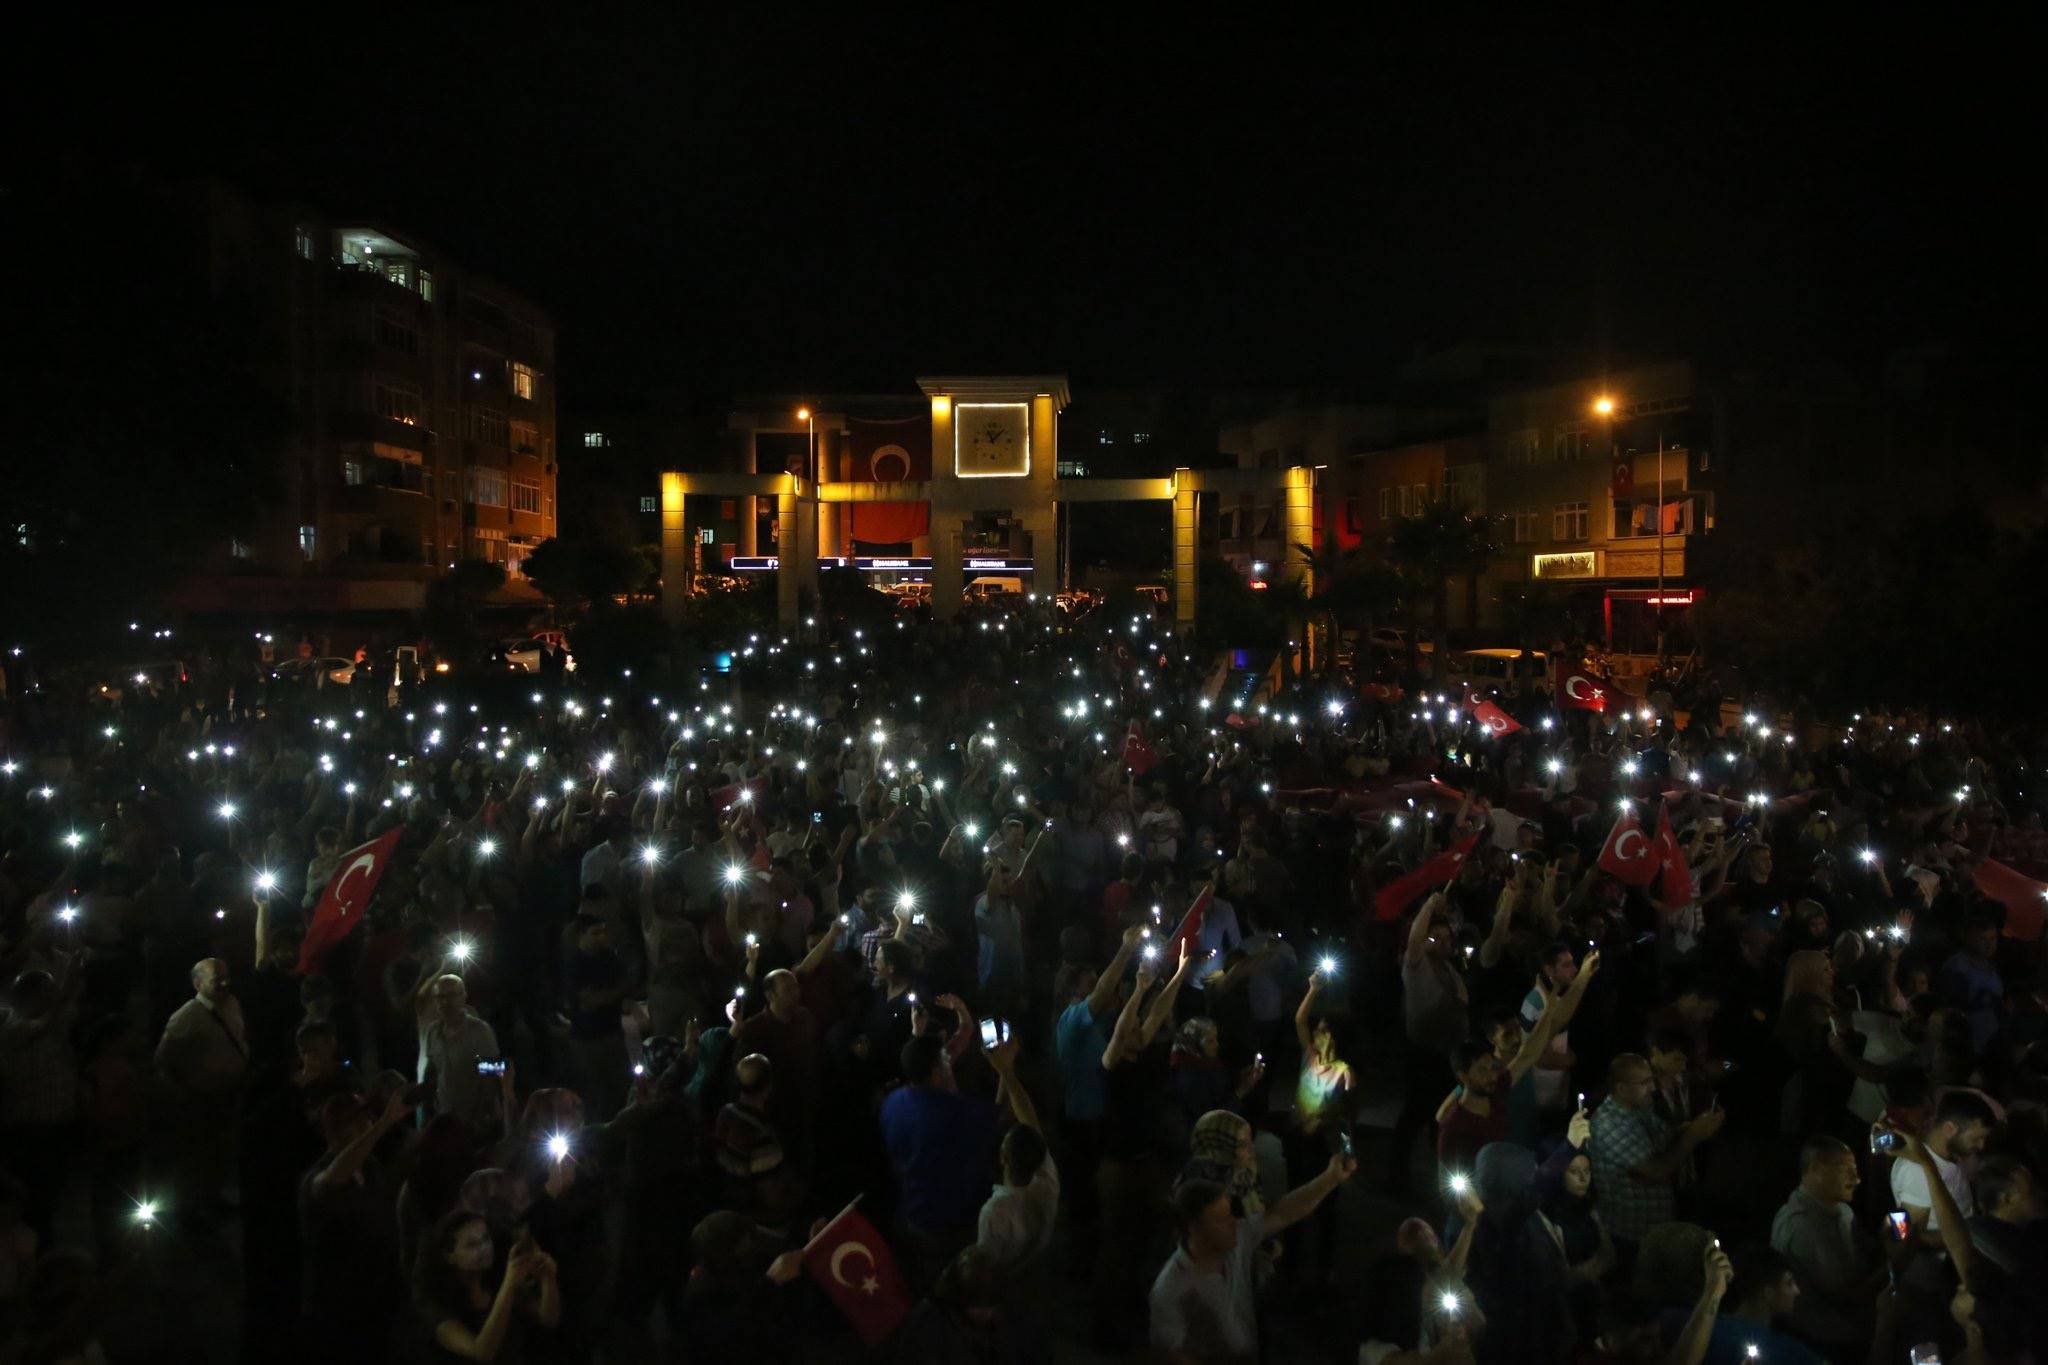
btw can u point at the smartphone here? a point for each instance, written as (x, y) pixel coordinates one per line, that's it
(1926, 1353)
(1886, 1143)
(992, 1032)
(817, 817)
(1344, 1143)
(490, 1066)
(1897, 1225)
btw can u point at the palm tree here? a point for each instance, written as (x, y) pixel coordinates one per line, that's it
(1440, 543)
(1287, 600)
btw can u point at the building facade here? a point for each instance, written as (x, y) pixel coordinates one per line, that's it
(421, 399)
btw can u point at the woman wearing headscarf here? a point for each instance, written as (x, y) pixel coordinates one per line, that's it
(1516, 1272)
(1564, 1187)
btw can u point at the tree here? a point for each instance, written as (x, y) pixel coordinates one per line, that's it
(1440, 543)
(451, 607)
(1352, 588)
(596, 570)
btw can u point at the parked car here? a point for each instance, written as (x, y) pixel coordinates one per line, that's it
(320, 672)
(524, 654)
(987, 587)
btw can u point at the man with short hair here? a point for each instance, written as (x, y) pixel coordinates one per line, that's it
(1016, 1223)
(453, 1038)
(1553, 1074)
(941, 1144)
(1961, 1124)
(787, 1036)
(1202, 1301)
(1637, 1156)
(204, 1055)
(1763, 1292)
(1815, 1231)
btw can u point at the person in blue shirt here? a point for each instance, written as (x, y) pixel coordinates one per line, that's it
(942, 1148)
(1080, 1037)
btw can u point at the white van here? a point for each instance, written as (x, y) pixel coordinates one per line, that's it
(987, 586)
(1484, 669)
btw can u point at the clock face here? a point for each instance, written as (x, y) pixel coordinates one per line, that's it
(991, 440)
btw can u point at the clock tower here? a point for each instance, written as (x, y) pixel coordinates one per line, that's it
(995, 442)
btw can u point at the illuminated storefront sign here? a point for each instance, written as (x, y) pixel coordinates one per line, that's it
(1572, 564)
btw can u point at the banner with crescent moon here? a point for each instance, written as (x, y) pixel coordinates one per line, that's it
(897, 451)
(1628, 855)
(347, 896)
(857, 1271)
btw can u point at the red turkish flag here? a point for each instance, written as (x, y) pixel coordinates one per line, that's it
(1138, 755)
(1190, 929)
(1628, 855)
(1674, 886)
(2022, 896)
(1496, 721)
(346, 897)
(857, 1271)
(1397, 895)
(1621, 478)
(1580, 688)
(735, 793)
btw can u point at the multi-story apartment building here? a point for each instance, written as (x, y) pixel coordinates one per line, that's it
(421, 399)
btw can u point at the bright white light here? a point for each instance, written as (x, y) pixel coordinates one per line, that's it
(145, 1213)
(650, 855)
(266, 881)
(68, 913)
(461, 949)
(558, 1146)
(227, 810)
(1868, 855)
(735, 875)
(1328, 965)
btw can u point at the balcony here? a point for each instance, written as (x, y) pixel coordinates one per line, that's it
(1639, 518)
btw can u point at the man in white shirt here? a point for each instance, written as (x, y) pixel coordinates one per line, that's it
(1016, 1223)
(1961, 1124)
(453, 1038)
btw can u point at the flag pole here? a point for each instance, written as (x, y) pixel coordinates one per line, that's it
(805, 1251)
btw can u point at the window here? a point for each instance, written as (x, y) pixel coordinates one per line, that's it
(526, 497)
(240, 549)
(1388, 508)
(1525, 446)
(308, 543)
(522, 380)
(395, 401)
(352, 473)
(487, 543)
(303, 241)
(1106, 436)
(486, 425)
(1072, 469)
(1570, 442)
(594, 440)
(1525, 527)
(525, 438)
(427, 285)
(1462, 485)
(1140, 438)
(487, 487)
(1569, 521)
(647, 504)
(397, 333)
(1414, 497)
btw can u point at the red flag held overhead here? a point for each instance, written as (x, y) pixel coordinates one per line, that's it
(1674, 886)
(1496, 721)
(346, 897)
(1627, 855)
(1397, 895)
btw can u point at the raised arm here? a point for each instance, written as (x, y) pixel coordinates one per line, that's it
(1003, 1057)
(1497, 934)
(1418, 932)
(1691, 1346)
(1162, 1009)
(1121, 1039)
(349, 1160)
(1302, 1031)
(1106, 983)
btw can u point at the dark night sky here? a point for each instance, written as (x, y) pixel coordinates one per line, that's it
(788, 207)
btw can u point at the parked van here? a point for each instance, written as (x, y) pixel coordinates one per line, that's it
(1483, 669)
(988, 586)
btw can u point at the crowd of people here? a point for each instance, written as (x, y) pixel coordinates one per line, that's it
(1003, 988)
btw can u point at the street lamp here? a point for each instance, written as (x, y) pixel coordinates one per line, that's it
(1603, 406)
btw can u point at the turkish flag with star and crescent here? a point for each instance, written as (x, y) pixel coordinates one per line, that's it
(1581, 688)
(346, 897)
(1189, 930)
(1491, 718)
(857, 1271)
(1138, 754)
(1628, 855)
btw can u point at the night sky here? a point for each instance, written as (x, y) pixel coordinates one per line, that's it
(798, 208)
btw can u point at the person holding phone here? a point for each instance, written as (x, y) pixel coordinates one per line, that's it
(467, 1319)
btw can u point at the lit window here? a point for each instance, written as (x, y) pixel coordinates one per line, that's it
(647, 504)
(1106, 436)
(526, 497)
(352, 473)
(522, 380)
(304, 241)
(308, 542)
(525, 438)
(395, 401)
(427, 285)
(1139, 438)
(240, 549)
(593, 439)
